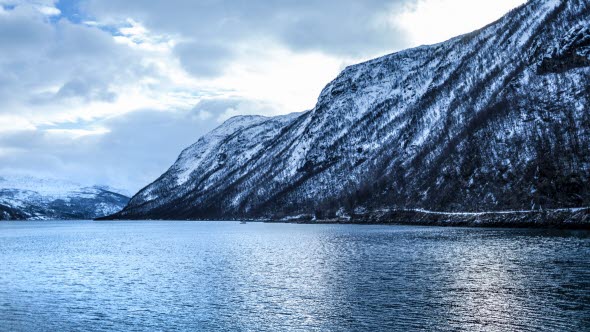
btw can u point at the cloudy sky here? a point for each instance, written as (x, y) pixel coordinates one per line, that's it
(110, 91)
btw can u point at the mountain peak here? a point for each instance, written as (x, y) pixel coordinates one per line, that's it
(29, 197)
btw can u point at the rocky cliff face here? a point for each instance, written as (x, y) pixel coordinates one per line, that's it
(497, 119)
(29, 198)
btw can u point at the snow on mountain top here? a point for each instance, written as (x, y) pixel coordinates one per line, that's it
(192, 157)
(45, 187)
(32, 198)
(51, 187)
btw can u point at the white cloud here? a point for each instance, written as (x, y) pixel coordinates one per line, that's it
(290, 80)
(10, 123)
(434, 21)
(77, 133)
(49, 11)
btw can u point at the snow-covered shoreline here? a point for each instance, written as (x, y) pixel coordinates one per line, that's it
(566, 218)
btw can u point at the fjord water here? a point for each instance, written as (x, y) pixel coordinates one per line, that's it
(224, 276)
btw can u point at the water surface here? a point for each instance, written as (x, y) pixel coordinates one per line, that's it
(224, 276)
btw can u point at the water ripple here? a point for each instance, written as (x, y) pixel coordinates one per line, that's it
(204, 276)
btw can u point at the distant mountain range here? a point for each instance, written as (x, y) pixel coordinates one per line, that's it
(491, 121)
(30, 198)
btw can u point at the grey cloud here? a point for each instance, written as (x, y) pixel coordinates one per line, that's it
(221, 109)
(77, 88)
(84, 90)
(81, 41)
(138, 148)
(37, 55)
(23, 31)
(203, 59)
(341, 27)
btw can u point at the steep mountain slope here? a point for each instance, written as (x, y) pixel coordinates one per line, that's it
(29, 198)
(497, 119)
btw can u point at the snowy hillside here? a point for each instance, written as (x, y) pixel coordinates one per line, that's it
(494, 120)
(23, 197)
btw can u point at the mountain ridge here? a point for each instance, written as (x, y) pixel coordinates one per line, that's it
(493, 120)
(32, 198)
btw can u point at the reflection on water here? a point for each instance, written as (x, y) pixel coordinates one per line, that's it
(279, 277)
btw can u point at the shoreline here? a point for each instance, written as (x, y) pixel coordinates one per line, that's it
(578, 218)
(565, 218)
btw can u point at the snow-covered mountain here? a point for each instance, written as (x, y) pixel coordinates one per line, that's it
(494, 120)
(30, 198)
